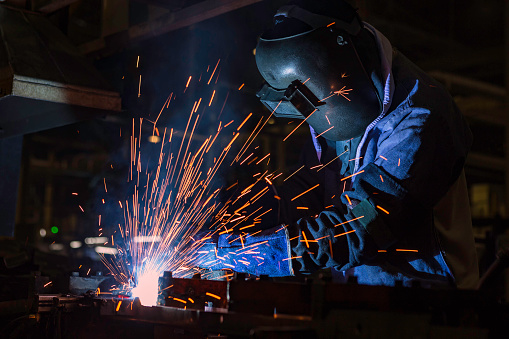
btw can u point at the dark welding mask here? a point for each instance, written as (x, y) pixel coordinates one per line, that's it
(316, 74)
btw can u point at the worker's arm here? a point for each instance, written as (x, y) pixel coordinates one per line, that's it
(391, 199)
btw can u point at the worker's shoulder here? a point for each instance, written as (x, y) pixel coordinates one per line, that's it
(415, 89)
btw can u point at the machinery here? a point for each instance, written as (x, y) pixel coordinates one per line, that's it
(253, 307)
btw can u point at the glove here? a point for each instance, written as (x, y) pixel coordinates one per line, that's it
(266, 252)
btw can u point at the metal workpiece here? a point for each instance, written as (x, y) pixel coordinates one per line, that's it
(81, 285)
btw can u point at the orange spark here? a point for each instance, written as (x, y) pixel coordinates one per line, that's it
(381, 178)
(302, 208)
(243, 122)
(306, 81)
(382, 209)
(213, 295)
(292, 258)
(348, 198)
(328, 129)
(332, 23)
(139, 87)
(228, 124)
(81, 208)
(383, 158)
(329, 162)
(241, 87)
(382, 251)
(208, 83)
(343, 92)
(294, 172)
(345, 233)
(348, 221)
(47, 284)
(248, 226)
(74, 193)
(306, 191)
(299, 125)
(352, 175)
(259, 161)
(178, 299)
(405, 250)
(106, 189)
(212, 98)
(118, 305)
(188, 81)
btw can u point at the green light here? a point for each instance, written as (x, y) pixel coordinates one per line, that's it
(54, 229)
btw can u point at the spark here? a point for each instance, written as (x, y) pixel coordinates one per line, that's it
(213, 295)
(175, 199)
(383, 157)
(306, 81)
(81, 208)
(305, 239)
(241, 87)
(294, 173)
(381, 178)
(292, 258)
(405, 250)
(265, 157)
(302, 208)
(138, 61)
(348, 198)
(343, 92)
(345, 233)
(212, 75)
(382, 251)
(332, 23)
(306, 191)
(245, 120)
(105, 188)
(330, 162)
(47, 284)
(299, 124)
(349, 221)
(118, 305)
(74, 193)
(382, 209)
(328, 129)
(352, 175)
(139, 87)
(212, 98)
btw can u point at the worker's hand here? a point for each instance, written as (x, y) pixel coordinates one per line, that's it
(264, 253)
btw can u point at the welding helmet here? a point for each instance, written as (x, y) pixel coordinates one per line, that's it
(313, 71)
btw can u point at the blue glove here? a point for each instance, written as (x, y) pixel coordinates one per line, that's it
(265, 253)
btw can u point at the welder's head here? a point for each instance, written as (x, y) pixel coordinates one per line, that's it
(310, 60)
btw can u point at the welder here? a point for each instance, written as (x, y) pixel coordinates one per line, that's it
(389, 202)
